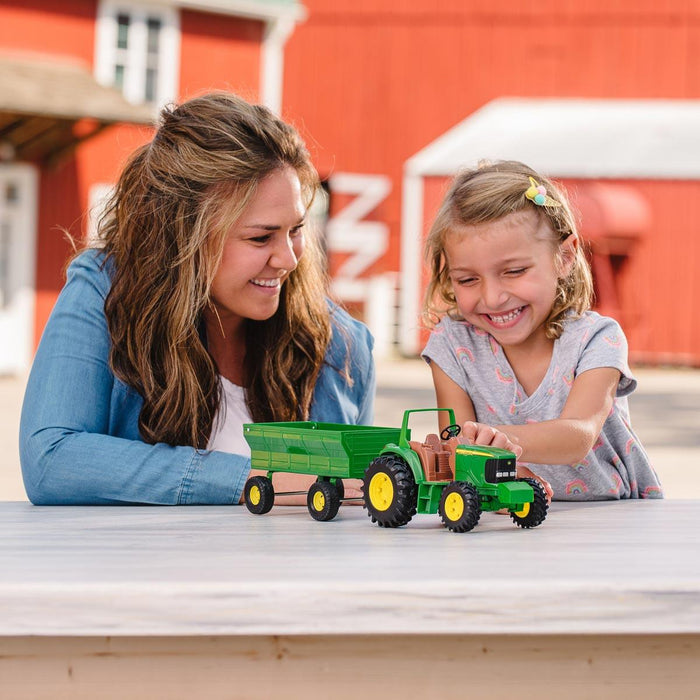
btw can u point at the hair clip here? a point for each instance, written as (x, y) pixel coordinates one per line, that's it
(538, 194)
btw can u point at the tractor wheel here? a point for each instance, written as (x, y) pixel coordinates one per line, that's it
(259, 495)
(390, 491)
(532, 514)
(459, 507)
(323, 500)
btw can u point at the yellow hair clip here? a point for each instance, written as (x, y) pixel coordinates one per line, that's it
(538, 194)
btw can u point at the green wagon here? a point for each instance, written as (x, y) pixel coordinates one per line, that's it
(330, 451)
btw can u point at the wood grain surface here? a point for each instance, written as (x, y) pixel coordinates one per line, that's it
(601, 568)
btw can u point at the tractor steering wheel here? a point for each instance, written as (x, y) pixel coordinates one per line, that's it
(450, 431)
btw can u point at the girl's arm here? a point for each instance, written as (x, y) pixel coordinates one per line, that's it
(449, 395)
(569, 438)
(564, 440)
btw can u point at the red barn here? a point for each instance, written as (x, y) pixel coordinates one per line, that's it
(80, 81)
(377, 85)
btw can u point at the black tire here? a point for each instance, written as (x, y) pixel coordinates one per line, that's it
(340, 487)
(459, 507)
(390, 491)
(536, 512)
(323, 500)
(259, 495)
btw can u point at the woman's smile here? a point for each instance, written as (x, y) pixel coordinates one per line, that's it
(273, 284)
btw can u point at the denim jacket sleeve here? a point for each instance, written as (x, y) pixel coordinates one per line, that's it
(79, 440)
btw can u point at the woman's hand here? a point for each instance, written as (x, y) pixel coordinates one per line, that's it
(353, 489)
(482, 434)
(524, 472)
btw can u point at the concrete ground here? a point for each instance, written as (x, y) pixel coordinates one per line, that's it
(665, 414)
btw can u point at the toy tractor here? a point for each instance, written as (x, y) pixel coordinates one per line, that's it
(400, 477)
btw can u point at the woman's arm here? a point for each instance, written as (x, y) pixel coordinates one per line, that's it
(368, 383)
(79, 441)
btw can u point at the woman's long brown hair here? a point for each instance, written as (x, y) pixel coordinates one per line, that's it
(164, 231)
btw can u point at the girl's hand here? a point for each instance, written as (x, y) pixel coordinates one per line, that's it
(523, 472)
(482, 434)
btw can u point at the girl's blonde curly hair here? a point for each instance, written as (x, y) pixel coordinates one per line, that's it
(488, 193)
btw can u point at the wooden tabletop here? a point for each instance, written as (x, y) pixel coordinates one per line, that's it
(605, 568)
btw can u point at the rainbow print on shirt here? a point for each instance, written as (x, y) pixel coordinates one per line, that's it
(464, 354)
(576, 488)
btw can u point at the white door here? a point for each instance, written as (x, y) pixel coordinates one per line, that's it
(18, 207)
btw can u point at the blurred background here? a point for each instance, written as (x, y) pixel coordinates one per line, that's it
(392, 97)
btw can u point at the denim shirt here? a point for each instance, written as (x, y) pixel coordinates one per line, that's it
(79, 437)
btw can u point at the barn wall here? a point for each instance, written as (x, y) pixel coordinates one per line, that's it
(371, 84)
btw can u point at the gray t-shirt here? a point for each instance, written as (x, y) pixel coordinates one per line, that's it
(617, 466)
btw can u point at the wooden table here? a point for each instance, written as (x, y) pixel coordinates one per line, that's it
(602, 600)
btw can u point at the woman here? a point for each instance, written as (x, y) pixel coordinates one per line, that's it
(204, 308)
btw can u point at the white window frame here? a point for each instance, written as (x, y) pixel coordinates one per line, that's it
(17, 318)
(106, 51)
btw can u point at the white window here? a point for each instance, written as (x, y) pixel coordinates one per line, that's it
(137, 50)
(18, 209)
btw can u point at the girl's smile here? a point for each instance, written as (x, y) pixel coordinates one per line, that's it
(505, 320)
(504, 275)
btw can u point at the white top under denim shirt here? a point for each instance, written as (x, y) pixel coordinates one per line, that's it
(226, 435)
(79, 438)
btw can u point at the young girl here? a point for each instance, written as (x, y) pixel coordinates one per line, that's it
(203, 307)
(517, 352)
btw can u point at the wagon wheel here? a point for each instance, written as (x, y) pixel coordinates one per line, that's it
(338, 485)
(390, 491)
(459, 507)
(323, 500)
(259, 494)
(532, 514)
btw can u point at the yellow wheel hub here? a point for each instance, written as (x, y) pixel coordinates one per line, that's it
(254, 495)
(524, 511)
(454, 507)
(319, 501)
(381, 491)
